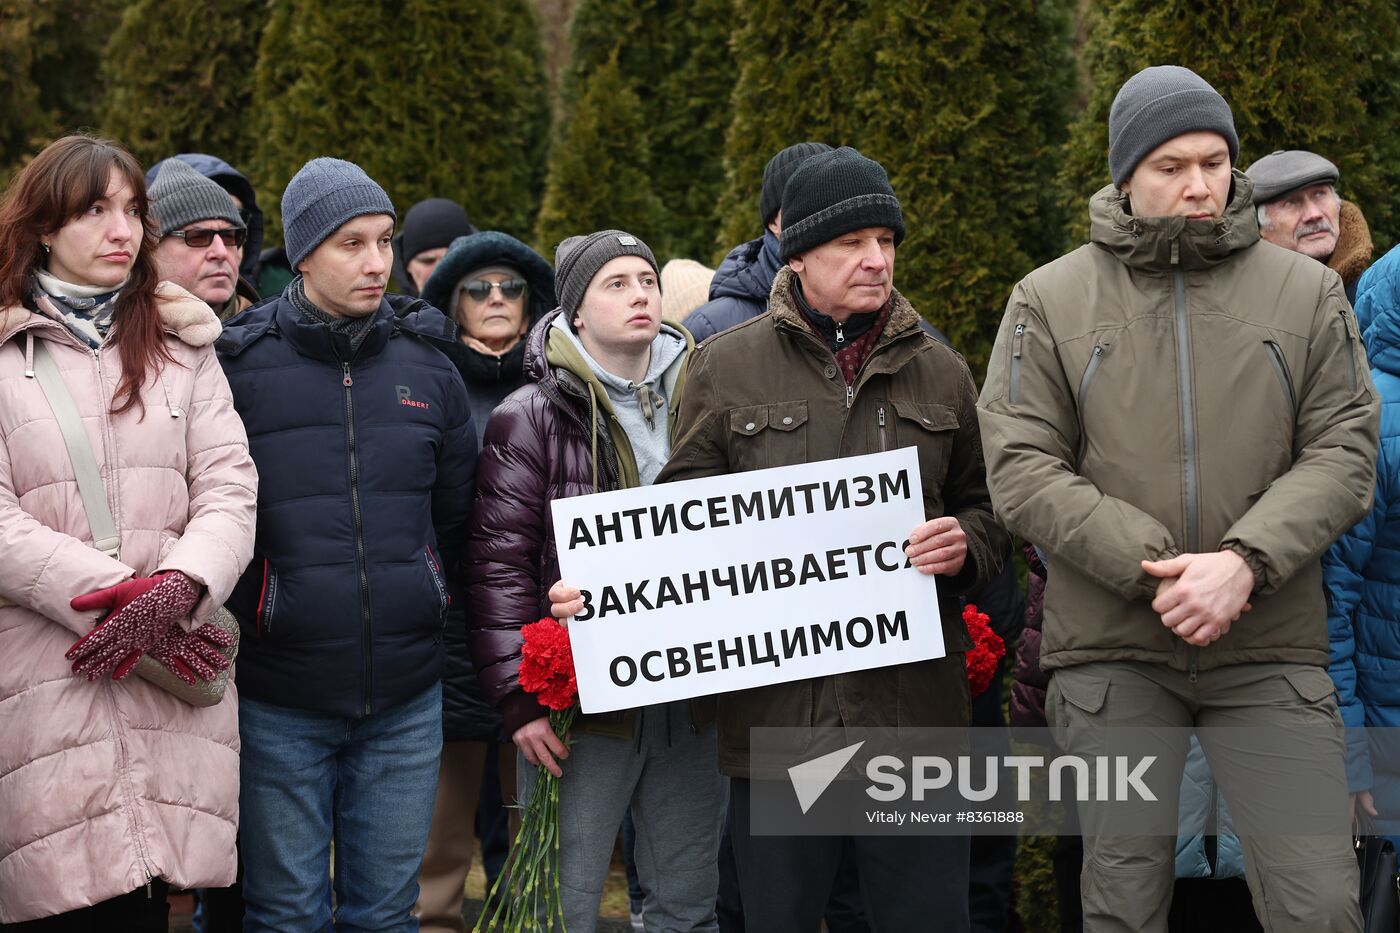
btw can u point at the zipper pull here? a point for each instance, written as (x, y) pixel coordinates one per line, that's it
(347, 381)
(1020, 333)
(840, 334)
(850, 395)
(882, 417)
(1176, 251)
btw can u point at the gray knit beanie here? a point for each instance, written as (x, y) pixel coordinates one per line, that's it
(578, 259)
(181, 196)
(776, 174)
(1284, 171)
(323, 195)
(835, 192)
(1158, 104)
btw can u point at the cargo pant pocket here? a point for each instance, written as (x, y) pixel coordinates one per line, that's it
(1312, 897)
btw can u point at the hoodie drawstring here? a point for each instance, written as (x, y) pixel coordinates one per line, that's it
(29, 354)
(593, 417)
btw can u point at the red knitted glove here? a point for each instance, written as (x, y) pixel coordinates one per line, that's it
(196, 654)
(139, 612)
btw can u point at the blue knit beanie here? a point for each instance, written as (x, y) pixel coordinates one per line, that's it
(323, 195)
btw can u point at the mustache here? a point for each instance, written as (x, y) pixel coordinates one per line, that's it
(1316, 226)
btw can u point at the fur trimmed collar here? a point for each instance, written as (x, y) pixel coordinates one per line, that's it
(1354, 246)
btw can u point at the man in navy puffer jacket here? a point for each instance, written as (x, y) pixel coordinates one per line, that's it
(362, 435)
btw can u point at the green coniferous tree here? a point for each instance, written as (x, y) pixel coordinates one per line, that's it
(179, 77)
(961, 102)
(433, 98)
(674, 56)
(597, 178)
(1322, 75)
(48, 72)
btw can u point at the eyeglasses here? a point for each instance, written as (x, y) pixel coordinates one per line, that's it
(200, 237)
(480, 289)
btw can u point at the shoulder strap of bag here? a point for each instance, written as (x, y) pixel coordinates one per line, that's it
(65, 412)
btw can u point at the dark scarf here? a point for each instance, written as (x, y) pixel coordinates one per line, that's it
(357, 328)
(479, 368)
(852, 341)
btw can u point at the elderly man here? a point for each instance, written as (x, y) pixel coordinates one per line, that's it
(848, 371)
(1295, 193)
(1181, 418)
(201, 236)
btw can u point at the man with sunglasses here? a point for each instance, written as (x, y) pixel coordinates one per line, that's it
(201, 237)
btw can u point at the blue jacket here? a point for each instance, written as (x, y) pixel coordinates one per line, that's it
(739, 289)
(365, 466)
(1362, 570)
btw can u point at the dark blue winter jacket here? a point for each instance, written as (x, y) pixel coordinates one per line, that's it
(740, 290)
(365, 465)
(1362, 570)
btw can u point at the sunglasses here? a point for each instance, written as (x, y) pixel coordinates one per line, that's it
(200, 237)
(480, 289)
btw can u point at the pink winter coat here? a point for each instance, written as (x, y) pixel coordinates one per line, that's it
(104, 785)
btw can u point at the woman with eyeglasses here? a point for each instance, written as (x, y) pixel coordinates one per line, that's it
(127, 504)
(495, 288)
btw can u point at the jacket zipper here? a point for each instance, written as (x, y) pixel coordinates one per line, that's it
(1281, 370)
(367, 629)
(1351, 351)
(267, 598)
(436, 573)
(840, 334)
(123, 770)
(1095, 358)
(1188, 428)
(883, 448)
(1014, 389)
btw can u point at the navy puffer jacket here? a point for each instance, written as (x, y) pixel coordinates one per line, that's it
(739, 289)
(365, 463)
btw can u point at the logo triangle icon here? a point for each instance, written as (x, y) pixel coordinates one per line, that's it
(811, 778)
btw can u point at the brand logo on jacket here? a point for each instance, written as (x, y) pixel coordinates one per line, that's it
(406, 398)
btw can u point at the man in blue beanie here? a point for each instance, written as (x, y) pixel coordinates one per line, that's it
(365, 451)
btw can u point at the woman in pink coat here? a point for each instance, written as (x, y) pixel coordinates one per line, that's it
(111, 789)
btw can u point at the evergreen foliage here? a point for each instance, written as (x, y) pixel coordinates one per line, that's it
(674, 56)
(433, 98)
(179, 77)
(1322, 75)
(963, 104)
(597, 177)
(48, 74)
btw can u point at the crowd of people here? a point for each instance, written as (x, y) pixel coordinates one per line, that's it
(1186, 422)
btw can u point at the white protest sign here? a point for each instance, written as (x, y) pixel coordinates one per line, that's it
(730, 582)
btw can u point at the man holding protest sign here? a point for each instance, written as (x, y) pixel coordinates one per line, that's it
(598, 414)
(840, 367)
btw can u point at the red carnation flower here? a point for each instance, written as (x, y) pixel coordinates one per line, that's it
(547, 664)
(988, 649)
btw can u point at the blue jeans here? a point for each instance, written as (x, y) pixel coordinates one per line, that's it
(368, 783)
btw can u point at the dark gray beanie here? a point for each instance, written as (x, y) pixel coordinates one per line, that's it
(181, 196)
(578, 259)
(1158, 104)
(323, 195)
(835, 192)
(1282, 171)
(776, 174)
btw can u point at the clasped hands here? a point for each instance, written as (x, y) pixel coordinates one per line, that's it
(1199, 596)
(142, 617)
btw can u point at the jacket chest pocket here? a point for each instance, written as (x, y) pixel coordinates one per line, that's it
(762, 436)
(929, 428)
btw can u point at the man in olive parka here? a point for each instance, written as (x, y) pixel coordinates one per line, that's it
(1180, 416)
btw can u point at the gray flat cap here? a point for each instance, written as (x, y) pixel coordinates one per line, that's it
(1283, 171)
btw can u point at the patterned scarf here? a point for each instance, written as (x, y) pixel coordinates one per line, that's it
(357, 328)
(83, 310)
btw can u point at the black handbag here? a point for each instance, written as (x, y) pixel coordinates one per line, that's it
(1380, 889)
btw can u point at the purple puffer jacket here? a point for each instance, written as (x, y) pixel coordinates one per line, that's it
(1029, 681)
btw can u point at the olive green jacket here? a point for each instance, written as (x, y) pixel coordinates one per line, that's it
(1179, 386)
(768, 393)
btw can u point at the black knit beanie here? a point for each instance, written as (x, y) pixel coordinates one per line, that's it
(433, 223)
(835, 192)
(776, 174)
(578, 259)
